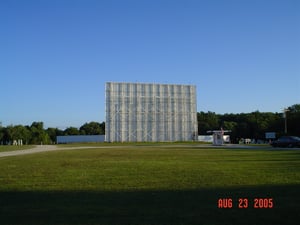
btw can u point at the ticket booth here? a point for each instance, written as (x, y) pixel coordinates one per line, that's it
(218, 138)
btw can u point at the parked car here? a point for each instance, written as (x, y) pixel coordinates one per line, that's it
(287, 141)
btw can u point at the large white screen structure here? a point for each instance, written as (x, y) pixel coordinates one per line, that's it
(138, 112)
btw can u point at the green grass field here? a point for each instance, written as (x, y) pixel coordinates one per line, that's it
(150, 184)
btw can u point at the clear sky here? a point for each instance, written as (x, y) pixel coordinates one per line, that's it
(57, 55)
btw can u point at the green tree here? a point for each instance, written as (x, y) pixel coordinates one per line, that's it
(232, 126)
(53, 132)
(293, 120)
(3, 135)
(92, 128)
(2, 130)
(71, 131)
(38, 134)
(207, 121)
(21, 132)
(102, 126)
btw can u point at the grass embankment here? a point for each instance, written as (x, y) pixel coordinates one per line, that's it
(130, 144)
(149, 185)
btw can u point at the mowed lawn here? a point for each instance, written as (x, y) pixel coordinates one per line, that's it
(151, 184)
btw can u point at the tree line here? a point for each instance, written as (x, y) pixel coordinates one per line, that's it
(37, 134)
(252, 125)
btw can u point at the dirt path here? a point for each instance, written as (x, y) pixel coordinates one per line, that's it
(40, 148)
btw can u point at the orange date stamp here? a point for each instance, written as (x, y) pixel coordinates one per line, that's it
(244, 203)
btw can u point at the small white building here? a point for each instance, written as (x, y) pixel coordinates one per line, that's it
(218, 137)
(210, 139)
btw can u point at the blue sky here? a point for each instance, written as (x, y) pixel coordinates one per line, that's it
(57, 55)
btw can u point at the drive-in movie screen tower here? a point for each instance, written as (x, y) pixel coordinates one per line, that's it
(141, 112)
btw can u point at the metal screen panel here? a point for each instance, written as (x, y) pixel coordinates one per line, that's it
(138, 112)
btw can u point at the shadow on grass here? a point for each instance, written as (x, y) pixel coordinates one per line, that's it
(149, 207)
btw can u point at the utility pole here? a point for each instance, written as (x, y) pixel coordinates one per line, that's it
(285, 110)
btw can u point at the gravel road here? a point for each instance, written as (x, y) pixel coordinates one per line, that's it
(39, 148)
